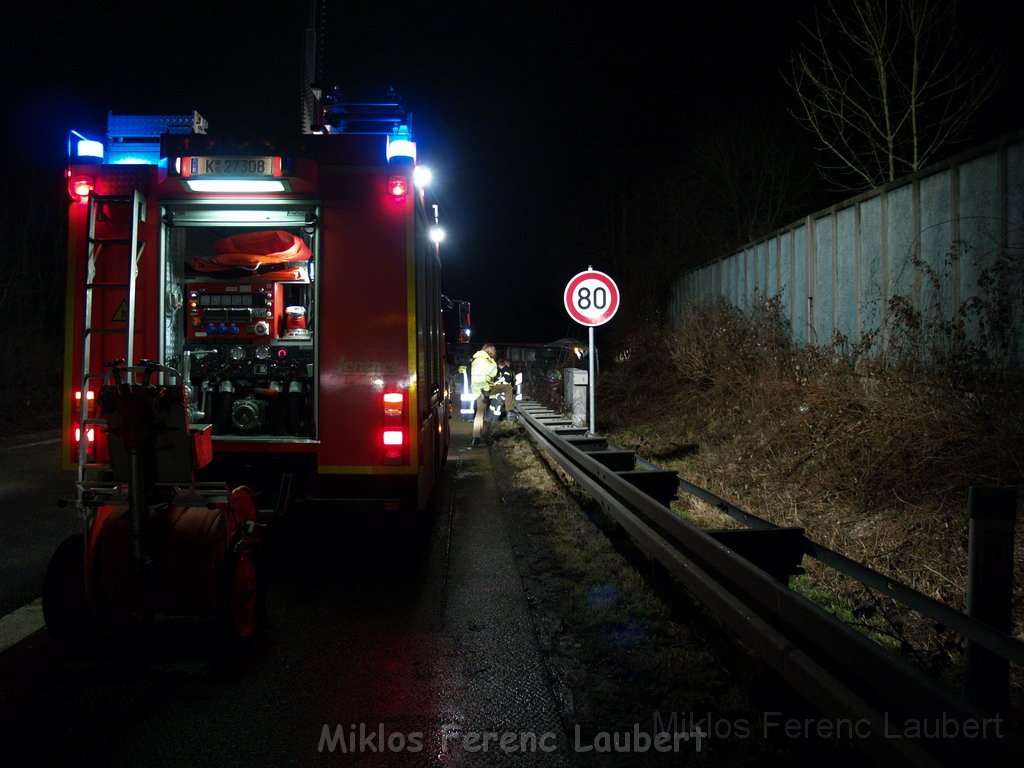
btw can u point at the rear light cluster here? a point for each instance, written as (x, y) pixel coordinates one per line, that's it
(90, 433)
(79, 186)
(394, 403)
(398, 187)
(393, 434)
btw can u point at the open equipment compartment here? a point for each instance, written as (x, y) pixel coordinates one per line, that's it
(240, 311)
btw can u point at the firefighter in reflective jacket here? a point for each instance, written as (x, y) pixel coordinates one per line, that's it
(483, 375)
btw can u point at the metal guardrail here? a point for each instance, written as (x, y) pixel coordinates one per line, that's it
(970, 628)
(895, 710)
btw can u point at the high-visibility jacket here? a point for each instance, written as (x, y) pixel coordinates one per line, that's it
(482, 372)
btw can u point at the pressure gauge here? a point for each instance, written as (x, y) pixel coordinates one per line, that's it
(262, 352)
(237, 353)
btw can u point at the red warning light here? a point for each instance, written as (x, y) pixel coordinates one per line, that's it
(394, 403)
(80, 186)
(398, 187)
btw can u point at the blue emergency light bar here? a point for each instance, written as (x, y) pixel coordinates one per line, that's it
(89, 148)
(83, 150)
(400, 146)
(135, 139)
(401, 149)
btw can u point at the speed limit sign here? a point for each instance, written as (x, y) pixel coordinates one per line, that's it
(591, 298)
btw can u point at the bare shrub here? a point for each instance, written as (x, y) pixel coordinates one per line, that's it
(974, 339)
(872, 453)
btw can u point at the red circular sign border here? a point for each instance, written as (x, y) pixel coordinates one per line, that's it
(613, 289)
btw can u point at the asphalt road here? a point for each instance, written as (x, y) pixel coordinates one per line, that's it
(31, 523)
(386, 645)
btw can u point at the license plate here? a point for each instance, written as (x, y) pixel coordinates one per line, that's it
(231, 166)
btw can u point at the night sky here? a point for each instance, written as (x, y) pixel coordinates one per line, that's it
(518, 108)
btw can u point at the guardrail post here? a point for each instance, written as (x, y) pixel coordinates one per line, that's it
(991, 515)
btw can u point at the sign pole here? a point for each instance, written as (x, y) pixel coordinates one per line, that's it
(591, 382)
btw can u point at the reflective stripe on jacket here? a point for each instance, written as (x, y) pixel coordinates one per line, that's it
(483, 372)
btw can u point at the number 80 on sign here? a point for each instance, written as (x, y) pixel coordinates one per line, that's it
(591, 298)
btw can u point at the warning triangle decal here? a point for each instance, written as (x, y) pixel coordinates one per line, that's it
(121, 313)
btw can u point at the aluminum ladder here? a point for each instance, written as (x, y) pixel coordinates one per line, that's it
(123, 214)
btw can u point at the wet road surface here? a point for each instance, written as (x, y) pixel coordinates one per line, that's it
(385, 645)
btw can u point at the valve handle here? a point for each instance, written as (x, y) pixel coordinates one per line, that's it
(150, 367)
(115, 369)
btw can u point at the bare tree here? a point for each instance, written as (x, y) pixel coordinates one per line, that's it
(747, 174)
(884, 85)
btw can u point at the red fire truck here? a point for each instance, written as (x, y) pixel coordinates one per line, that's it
(294, 283)
(291, 285)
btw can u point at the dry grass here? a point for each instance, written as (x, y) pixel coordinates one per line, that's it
(872, 459)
